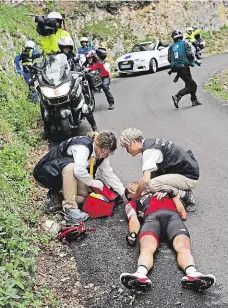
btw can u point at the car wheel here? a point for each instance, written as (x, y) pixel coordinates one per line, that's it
(153, 65)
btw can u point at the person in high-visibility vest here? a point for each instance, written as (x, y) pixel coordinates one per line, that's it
(24, 60)
(190, 34)
(50, 30)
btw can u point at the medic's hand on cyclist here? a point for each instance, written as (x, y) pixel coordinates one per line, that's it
(162, 193)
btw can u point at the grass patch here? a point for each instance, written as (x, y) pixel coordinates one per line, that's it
(216, 41)
(19, 240)
(218, 85)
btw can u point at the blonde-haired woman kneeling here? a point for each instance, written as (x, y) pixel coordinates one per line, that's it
(66, 168)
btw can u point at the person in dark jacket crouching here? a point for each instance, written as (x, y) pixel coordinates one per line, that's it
(165, 165)
(68, 166)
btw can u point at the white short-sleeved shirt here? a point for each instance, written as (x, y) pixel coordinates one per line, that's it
(81, 163)
(150, 159)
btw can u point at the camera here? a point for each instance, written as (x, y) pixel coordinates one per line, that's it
(45, 26)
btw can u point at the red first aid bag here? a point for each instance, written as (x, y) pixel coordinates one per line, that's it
(99, 208)
(106, 192)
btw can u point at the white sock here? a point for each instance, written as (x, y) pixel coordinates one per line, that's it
(142, 270)
(192, 271)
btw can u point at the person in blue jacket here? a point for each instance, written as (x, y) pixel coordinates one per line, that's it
(24, 60)
(84, 49)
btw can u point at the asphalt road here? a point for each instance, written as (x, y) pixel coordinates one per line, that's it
(145, 102)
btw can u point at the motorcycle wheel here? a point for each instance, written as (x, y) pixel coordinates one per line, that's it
(65, 125)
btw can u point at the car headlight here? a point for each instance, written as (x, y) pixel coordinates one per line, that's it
(139, 60)
(56, 92)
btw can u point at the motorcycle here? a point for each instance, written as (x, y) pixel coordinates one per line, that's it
(198, 46)
(63, 103)
(95, 81)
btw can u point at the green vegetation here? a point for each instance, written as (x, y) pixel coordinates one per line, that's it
(216, 41)
(109, 30)
(19, 242)
(218, 85)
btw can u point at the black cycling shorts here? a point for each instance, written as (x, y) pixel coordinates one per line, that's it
(164, 225)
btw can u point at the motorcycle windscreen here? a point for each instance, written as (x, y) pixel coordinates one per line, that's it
(56, 70)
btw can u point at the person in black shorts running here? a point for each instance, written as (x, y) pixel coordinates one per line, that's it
(160, 216)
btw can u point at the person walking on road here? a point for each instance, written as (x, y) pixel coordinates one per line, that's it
(181, 57)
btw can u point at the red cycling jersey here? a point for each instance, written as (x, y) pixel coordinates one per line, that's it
(99, 66)
(149, 204)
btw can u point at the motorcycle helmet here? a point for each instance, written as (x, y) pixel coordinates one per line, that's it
(194, 28)
(54, 15)
(177, 35)
(101, 53)
(30, 44)
(74, 232)
(189, 30)
(84, 39)
(202, 44)
(65, 42)
(91, 54)
(56, 18)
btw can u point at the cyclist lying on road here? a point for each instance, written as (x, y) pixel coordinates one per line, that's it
(160, 216)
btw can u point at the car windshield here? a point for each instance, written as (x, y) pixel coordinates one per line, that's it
(144, 46)
(56, 69)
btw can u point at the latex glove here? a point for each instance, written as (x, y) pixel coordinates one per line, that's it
(98, 184)
(131, 239)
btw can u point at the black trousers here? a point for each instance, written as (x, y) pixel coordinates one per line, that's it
(190, 85)
(107, 91)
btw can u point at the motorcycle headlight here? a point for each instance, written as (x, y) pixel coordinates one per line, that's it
(56, 92)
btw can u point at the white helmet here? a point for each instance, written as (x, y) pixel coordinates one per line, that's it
(65, 41)
(84, 39)
(189, 30)
(54, 15)
(30, 44)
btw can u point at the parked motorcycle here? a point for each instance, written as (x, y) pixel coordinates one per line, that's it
(63, 104)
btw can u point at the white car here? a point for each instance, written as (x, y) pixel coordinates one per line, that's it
(147, 56)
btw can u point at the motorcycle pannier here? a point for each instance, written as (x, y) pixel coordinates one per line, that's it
(95, 79)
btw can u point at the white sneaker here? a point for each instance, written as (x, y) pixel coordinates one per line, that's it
(75, 214)
(198, 282)
(136, 282)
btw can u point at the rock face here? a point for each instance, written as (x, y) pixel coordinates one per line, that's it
(120, 23)
(152, 16)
